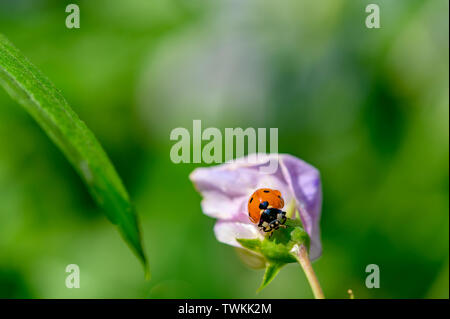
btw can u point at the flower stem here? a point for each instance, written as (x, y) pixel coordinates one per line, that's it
(301, 254)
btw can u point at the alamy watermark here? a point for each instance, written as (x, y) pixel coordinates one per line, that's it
(73, 279)
(373, 19)
(219, 150)
(73, 18)
(373, 279)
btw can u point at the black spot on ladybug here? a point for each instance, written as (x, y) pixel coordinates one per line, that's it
(266, 191)
(264, 205)
(251, 199)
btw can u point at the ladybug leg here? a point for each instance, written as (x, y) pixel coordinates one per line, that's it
(282, 217)
(274, 225)
(263, 226)
(278, 219)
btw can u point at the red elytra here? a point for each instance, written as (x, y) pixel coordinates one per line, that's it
(272, 196)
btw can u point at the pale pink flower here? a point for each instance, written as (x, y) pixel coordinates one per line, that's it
(226, 189)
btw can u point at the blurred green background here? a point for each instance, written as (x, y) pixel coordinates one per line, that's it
(368, 107)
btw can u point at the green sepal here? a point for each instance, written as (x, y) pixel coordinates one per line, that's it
(252, 244)
(272, 270)
(277, 249)
(300, 236)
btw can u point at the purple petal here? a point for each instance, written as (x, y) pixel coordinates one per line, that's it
(226, 188)
(218, 205)
(304, 182)
(224, 179)
(227, 232)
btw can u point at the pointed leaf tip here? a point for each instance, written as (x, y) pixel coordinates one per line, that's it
(272, 269)
(34, 91)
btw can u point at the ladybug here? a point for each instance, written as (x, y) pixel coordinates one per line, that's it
(264, 209)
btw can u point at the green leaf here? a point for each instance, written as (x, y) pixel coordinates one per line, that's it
(29, 87)
(272, 269)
